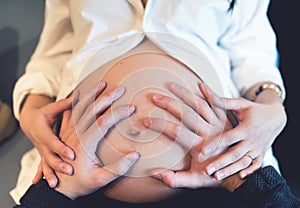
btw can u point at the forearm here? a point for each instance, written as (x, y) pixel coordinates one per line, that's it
(29, 105)
(266, 188)
(41, 195)
(34, 101)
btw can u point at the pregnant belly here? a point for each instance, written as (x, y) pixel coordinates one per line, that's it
(143, 71)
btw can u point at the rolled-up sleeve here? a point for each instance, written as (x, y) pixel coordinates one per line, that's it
(43, 72)
(251, 44)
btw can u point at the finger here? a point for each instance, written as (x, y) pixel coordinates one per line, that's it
(231, 156)
(80, 106)
(54, 144)
(209, 96)
(57, 163)
(183, 112)
(256, 164)
(179, 133)
(117, 169)
(181, 179)
(75, 95)
(100, 128)
(233, 168)
(59, 106)
(39, 174)
(49, 175)
(98, 107)
(235, 104)
(65, 121)
(197, 103)
(221, 142)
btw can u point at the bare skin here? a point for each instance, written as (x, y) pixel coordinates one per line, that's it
(142, 74)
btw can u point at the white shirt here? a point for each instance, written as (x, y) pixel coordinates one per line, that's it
(240, 44)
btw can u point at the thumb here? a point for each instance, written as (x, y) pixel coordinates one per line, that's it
(166, 176)
(173, 179)
(124, 164)
(60, 105)
(117, 169)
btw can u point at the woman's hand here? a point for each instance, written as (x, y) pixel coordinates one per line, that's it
(37, 119)
(200, 122)
(238, 150)
(82, 129)
(260, 123)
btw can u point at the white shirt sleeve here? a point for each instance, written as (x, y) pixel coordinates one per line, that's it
(43, 72)
(251, 43)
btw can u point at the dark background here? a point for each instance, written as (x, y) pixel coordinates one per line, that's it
(284, 16)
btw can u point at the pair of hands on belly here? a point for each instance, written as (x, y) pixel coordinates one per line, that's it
(216, 148)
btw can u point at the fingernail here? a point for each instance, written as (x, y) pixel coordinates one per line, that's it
(147, 122)
(75, 97)
(175, 85)
(118, 92)
(157, 176)
(243, 175)
(101, 85)
(131, 108)
(204, 84)
(157, 96)
(120, 88)
(70, 155)
(69, 170)
(220, 175)
(133, 156)
(52, 183)
(211, 170)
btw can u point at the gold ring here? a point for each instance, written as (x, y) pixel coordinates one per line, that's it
(248, 155)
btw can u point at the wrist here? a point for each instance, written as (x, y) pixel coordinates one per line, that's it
(268, 97)
(68, 186)
(270, 87)
(265, 93)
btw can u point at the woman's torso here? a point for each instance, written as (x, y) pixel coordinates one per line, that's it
(143, 71)
(99, 26)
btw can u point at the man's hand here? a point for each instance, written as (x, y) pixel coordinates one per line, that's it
(37, 119)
